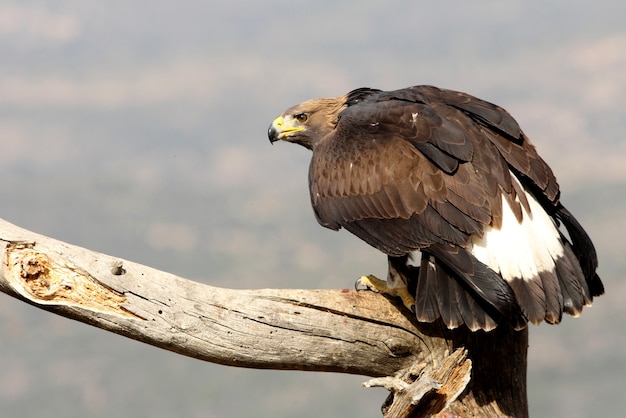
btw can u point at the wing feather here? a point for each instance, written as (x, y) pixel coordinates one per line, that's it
(426, 309)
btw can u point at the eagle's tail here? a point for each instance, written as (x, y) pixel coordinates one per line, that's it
(454, 286)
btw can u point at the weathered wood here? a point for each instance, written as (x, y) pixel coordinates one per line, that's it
(331, 330)
(498, 384)
(323, 330)
(425, 390)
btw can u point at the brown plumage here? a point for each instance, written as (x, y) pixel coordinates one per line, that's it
(454, 177)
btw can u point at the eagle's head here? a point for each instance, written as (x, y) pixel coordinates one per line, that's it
(307, 123)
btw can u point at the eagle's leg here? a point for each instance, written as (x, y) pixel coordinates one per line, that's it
(396, 283)
(382, 286)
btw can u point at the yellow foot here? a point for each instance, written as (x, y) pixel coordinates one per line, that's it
(374, 284)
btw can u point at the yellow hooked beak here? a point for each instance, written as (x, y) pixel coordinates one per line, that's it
(280, 129)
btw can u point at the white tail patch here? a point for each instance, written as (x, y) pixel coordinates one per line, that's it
(520, 250)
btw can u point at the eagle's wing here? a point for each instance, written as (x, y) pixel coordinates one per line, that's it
(422, 166)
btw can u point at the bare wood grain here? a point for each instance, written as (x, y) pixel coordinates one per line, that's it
(330, 330)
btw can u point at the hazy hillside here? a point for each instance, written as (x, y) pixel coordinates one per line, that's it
(122, 123)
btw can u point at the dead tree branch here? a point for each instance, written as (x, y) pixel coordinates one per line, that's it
(323, 330)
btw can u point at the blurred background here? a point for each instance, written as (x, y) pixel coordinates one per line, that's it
(138, 129)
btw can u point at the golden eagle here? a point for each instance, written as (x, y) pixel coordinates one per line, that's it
(454, 178)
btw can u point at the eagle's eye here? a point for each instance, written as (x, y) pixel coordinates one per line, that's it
(301, 117)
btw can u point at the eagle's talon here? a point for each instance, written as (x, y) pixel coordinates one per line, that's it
(373, 283)
(365, 283)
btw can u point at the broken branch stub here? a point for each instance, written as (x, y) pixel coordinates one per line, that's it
(54, 281)
(425, 390)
